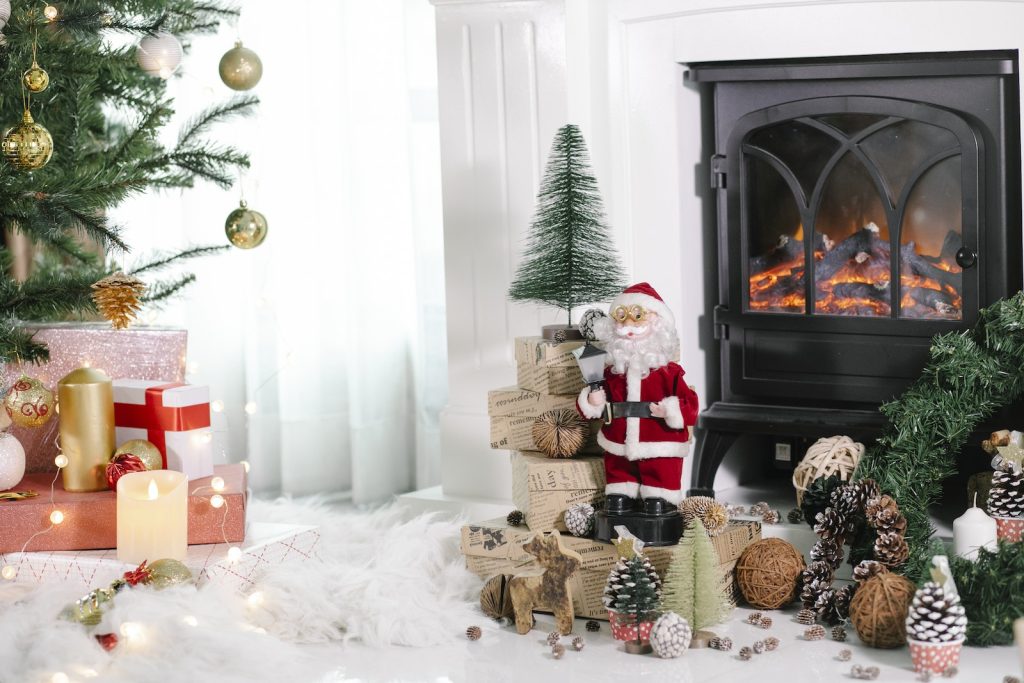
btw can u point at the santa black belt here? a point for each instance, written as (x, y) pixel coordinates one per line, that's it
(627, 409)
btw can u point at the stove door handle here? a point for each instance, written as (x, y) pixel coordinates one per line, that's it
(966, 257)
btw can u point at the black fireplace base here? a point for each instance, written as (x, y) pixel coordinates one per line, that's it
(719, 426)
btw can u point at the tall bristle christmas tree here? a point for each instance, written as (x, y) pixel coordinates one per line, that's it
(103, 115)
(570, 260)
(693, 582)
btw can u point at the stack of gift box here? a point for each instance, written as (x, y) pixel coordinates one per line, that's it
(151, 402)
(548, 378)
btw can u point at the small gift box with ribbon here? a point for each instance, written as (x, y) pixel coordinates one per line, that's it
(175, 417)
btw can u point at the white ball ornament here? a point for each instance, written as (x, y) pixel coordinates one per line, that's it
(12, 461)
(159, 54)
(670, 635)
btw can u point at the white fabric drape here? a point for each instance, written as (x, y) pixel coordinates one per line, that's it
(332, 332)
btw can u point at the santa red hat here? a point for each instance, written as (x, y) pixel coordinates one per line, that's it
(643, 294)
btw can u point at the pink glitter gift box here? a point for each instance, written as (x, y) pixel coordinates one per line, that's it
(154, 353)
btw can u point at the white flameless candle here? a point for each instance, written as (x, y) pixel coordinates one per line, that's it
(152, 516)
(972, 530)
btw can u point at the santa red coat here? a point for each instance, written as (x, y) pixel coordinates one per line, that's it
(638, 438)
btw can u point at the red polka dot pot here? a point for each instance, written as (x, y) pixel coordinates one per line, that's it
(625, 628)
(1010, 529)
(935, 657)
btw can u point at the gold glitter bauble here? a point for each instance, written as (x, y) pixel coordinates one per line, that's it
(240, 68)
(36, 79)
(144, 451)
(245, 228)
(167, 572)
(117, 298)
(29, 403)
(27, 146)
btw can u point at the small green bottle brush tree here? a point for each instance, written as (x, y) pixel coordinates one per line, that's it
(693, 583)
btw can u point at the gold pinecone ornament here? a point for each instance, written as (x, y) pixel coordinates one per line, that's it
(27, 146)
(118, 298)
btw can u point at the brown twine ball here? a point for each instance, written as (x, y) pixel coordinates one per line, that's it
(495, 598)
(768, 573)
(560, 433)
(878, 610)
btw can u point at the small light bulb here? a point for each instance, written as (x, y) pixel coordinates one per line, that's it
(190, 620)
(217, 406)
(250, 407)
(245, 464)
(59, 677)
(86, 363)
(8, 572)
(192, 367)
(89, 673)
(217, 501)
(217, 483)
(50, 12)
(255, 599)
(234, 553)
(206, 437)
(165, 72)
(56, 517)
(61, 461)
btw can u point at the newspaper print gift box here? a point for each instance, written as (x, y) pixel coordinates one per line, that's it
(175, 417)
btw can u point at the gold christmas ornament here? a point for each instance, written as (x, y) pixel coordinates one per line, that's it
(27, 146)
(167, 572)
(145, 451)
(36, 79)
(117, 298)
(29, 403)
(50, 12)
(240, 68)
(245, 228)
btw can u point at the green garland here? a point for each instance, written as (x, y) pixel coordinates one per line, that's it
(992, 591)
(971, 374)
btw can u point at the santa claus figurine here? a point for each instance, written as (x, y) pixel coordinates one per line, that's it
(646, 405)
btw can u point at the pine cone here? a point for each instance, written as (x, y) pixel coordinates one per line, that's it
(558, 650)
(795, 516)
(877, 505)
(831, 525)
(816, 632)
(515, 518)
(891, 550)
(724, 644)
(118, 298)
(864, 673)
(713, 514)
(758, 647)
(844, 655)
(839, 634)
(806, 617)
(758, 509)
(577, 643)
(746, 653)
(1006, 497)
(934, 616)
(823, 603)
(554, 637)
(771, 517)
(844, 501)
(889, 521)
(865, 490)
(841, 602)
(593, 626)
(579, 519)
(474, 632)
(817, 497)
(771, 643)
(829, 552)
(866, 569)
(817, 578)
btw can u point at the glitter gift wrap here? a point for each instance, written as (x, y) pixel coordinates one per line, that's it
(90, 519)
(265, 545)
(153, 353)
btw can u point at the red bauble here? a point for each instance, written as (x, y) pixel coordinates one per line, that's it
(120, 465)
(108, 641)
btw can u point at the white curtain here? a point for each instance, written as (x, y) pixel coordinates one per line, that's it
(327, 343)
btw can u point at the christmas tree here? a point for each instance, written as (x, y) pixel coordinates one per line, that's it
(569, 259)
(104, 114)
(633, 589)
(693, 585)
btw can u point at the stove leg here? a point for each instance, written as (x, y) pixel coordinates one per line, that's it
(711, 449)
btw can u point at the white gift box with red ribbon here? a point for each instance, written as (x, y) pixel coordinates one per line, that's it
(175, 417)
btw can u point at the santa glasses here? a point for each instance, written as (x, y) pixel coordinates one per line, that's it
(635, 313)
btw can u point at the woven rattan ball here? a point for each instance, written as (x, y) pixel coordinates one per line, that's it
(768, 573)
(560, 433)
(827, 456)
(495, 598)
(879, 610)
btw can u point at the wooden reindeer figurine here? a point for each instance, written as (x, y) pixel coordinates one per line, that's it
(545, 588)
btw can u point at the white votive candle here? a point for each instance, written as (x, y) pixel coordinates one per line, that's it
(972, 530)
(152, 516)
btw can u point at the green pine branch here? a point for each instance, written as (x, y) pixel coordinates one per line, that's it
(161, 261)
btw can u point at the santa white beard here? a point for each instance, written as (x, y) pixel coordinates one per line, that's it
(639, 355)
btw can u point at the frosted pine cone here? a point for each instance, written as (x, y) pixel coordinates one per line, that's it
(864, 673)
(841, 602)
(579, 519)
(876, 505)
(934, 616)
(816, 632)
(736, 510)
(758, 509)
(758, 647)
(515, 518)
(865, 490)
(723, 644)
(844, 655)
(474, 632)
(806, 617)
(817, 578)
(771, 643)
(1006, 497)
(823, 604)
(588, 322)
(577, 643)
(713, 514)
(670, 635)
(593, 626)
(866, 569)
(558, 650)
(838, 634)
(771, 517)
(795, 516)
(746, 653)
(554, 637)
(891, 550)
(844, 501)
(831, 525)
(829, 552)
(889, 521)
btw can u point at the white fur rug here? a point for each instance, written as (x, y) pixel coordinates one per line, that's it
(380, 580)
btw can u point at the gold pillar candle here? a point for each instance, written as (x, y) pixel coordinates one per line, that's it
(86, 400)
(152, 516)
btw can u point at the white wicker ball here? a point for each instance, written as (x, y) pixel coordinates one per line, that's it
(579, 519)
(670, 635)
(5, 12)
(159, 55)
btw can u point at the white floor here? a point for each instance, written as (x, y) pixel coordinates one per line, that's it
(502, 655)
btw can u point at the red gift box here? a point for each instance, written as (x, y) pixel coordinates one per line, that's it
(90, 519)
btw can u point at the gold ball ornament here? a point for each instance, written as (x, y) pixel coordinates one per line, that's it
(36, 79)
(240, 68)
(50, 12)
(245, 228)
(27, 146)
(144, 451)
(167, 572)
(29, 403)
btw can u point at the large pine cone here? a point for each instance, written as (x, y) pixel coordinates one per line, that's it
(876, 505)
(845, 501)
(866, 569)
(832, 525)
(817, 578)
(829, 552)
(1006, 497)
(865, 490)
(823, 604)
(935, 617)
(889, 521)
(891, 550)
